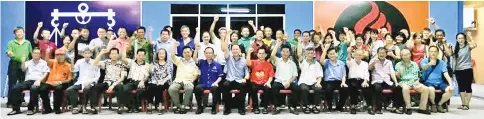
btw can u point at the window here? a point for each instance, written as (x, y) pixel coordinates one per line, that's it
(177, 22)
(231, 16)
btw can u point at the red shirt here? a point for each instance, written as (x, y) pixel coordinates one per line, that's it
(44, 46)
(261, 72)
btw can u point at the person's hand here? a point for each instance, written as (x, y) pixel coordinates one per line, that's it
(267, 84)
(374, 62)
(279, 42)
(216, 18)
(326, 46)
(365, 84)
(450, 88)
(110, 89)
(176, 43)
(37, 83)
(243, 80)
(411, 34)
(287, 84)
(261, 28)
(65, 25)
(318, 85)
(251, 22)
(23, 59)
(343, 85)
(251, 50)
(9, 53)
(431, 20)
(214, 84)
(104, 51)
(469, 34)
(433, 62)
(47, 51)
(197, 29)
(141, 84)
(345, 29)
(197, 47)
(150, 29)
(40, 24)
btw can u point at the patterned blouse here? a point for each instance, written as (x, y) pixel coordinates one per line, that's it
(161, 73)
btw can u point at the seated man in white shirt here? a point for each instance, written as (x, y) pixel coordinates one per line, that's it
(88, 76)
(358, 80)
(286, 74)
(311, 75)
(36, 71)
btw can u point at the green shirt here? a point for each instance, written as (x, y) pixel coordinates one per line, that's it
(293, 42)
(246, 41)
(19, 50)
(409, 74)
(146, 46)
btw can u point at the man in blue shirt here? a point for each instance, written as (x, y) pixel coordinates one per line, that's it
(210, 76)
(335, 78)
(432, 70)
(237, 78)
(185, 40)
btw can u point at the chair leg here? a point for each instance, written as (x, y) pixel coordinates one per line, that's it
(143, 106)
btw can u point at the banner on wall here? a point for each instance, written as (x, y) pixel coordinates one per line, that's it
(93, 14)
(394, 15)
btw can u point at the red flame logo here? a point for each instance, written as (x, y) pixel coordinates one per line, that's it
(374, 16)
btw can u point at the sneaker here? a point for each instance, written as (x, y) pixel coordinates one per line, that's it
(306, 110)
(264, 110)
(276, 111)
(371, 112)
(214, 111)
(315, 110)
(242, 111)
(199, 110)
(14, 112)
(293, 111)
(378, 112)
(256, 111)
(120, 110)
(408, 111)
(75, 111)
(30, 112)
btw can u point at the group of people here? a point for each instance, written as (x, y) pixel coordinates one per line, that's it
(312, 66)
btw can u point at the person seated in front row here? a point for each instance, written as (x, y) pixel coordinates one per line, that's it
(286, 74)
(116, 71)
(408, 72)
(210, 75)
(383, 73)
(310, 79)
(432, 70)
(187, 72)
(138, 75)
(358, 80)
(88, 76)
(161, 75)
(237, 77)
(36, 72)
(335, 78)
(260, 78)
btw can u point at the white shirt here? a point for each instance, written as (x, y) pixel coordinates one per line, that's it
(310, 72)
(376, 45)
(285, 70)
(88, 72)
(36, 71)
(218, 54)
(358, 70)
(138, 72)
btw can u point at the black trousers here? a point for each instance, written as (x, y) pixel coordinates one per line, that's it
(354, 85)
(133, 101)
(16, 95)
(464, 80)
(15, 74)
(265, 97)
(304, 91)
(239, 100)
(86, 96)
(58, 95)
(279, 98)
(100, 88)
(378, 95)
(155, 91)
(329, 87)
(202, 98)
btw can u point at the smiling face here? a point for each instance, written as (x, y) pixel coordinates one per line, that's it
(185, 31)
(19, 33)
(45, 34)
(206, 37)
(122, 32)
(101, 33)
(208, 53)
(268, 32)
(332, 54)
(461, 39)
(279, 34)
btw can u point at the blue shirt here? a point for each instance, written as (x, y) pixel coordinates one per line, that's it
(334, 72)
(165, 45)
(210, 72)
(434, 77)
(179, 49)
(235, 69)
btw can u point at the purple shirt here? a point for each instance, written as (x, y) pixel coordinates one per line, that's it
(382, 71)
(179, 49)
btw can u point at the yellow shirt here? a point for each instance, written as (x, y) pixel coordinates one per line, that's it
(268, 42)
(186, 70)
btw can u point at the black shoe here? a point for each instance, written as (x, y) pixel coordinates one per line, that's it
(227, 111)
(276, 111)
(427, 112)
(176, 110)
(93, 111)
(340, 109)
(242, 111)
(199, 111)
(130, 110)
(214, 111)
(14, 112)
(256, 111)
(161, 112)
(264, 110)
(408, 111)
(30, 112)
(120, 110)
(378, 112)
(294, 111)
(47, 111)
(306, 110)
(58, 111)
(75, 111)
(183, 111)
(353, 111)
(136, 110)
(371, 112)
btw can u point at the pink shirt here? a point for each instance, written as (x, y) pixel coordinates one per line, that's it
(120, 44)
(382, 71)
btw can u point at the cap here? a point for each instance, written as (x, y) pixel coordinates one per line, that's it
(60, 51)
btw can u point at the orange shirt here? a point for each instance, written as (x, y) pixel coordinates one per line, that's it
(261, 72)
(59, 72)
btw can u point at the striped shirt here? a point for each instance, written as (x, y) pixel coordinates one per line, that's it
(409, 74)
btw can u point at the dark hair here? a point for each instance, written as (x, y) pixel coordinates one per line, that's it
(383, 27)
(208, 48)
(115, 49)
(297, 30)
(140, 50)
(286, 47)
(243, 27)
(236, 33)
(433, 46)
(45, 29)
(457, 46)
(426, 29)
(339, 33)
(18, 28)
(328, 35)
(309, 49)
(165, 30)
(141, 27)
(306, 32)
(386, 35)
(36, 48)
(330, 29)
(359, 35)
(102, 28)
(316, 34)
(375, 31)
(440, 30)
(330, 49)
(122, 27)
(282, 30)
(187, 47)
(401, 34)
(381, 49)
(312, 30)
(110, 29)
(75, 29)
(260, 31)
(85, 28)
(166, 27)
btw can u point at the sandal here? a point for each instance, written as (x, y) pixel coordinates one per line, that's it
(316, 110)
(306, 110)
(465, 107)
(461, 107)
